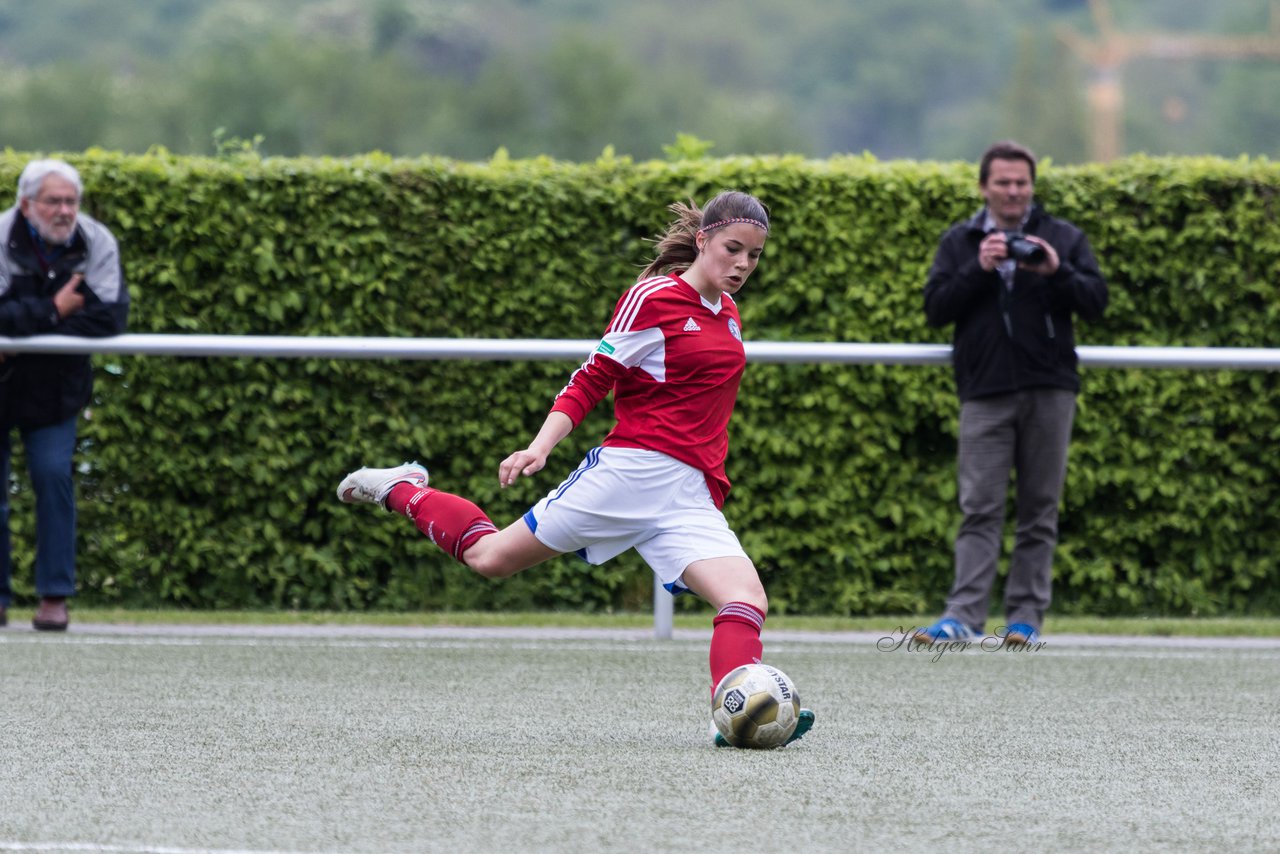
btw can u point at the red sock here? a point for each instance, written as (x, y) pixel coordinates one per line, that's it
(735, 639)
(450, 521)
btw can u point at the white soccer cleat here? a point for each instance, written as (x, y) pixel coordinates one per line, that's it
(370, 486)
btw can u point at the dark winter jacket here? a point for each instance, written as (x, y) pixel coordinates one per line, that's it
(39, 389)
(1009, 340)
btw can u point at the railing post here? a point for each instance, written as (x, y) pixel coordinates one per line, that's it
(663, 610)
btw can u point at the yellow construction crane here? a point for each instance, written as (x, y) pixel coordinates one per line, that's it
(1106, 54)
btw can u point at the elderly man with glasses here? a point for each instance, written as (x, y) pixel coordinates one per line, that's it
(59, 274)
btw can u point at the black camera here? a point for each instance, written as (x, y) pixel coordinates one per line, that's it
(1022, 250)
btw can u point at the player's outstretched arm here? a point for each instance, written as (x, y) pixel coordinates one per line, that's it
(532, 459)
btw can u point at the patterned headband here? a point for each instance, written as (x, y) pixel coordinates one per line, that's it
(731, 220)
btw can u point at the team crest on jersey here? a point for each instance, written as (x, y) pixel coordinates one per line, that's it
(734, 330)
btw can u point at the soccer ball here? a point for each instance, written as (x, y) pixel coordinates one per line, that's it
(756, 706)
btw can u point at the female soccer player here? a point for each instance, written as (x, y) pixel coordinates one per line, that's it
(673, 357)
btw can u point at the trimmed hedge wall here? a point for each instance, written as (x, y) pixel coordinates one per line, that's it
(210, 482)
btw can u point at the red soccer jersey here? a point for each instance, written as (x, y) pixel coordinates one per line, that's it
(674, 362)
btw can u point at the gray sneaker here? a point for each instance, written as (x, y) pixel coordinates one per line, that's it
(370, 486)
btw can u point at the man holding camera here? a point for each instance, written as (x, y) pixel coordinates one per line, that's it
(1010, 279)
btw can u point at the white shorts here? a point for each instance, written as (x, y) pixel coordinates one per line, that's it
(622, 498)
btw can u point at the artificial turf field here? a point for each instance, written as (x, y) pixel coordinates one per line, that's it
(180, 739)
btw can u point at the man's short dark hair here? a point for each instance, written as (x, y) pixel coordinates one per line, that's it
(1005, 150)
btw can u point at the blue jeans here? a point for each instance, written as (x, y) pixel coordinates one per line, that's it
(49, 451)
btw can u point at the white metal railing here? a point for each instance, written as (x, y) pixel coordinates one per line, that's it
(1206, 358)
(491, 349)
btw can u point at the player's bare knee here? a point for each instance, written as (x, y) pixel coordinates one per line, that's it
(499, 570)
(489, 563)
(752, 592)
(753, 596)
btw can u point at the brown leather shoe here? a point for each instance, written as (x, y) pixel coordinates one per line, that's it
(51, 615)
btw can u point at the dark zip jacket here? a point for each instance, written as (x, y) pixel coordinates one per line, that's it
(40, 389)
(1009, 340)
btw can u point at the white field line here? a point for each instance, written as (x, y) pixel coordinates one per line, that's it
(94, 848)
(446, 637)
(369, 632)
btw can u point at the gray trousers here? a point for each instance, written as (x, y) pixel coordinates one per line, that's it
(1028, 433)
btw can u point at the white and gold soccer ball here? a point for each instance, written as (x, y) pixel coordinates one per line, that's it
(756, 706)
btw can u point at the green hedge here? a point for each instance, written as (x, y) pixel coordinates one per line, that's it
(209, 482)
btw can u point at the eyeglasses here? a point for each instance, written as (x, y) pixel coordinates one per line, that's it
(58, 202)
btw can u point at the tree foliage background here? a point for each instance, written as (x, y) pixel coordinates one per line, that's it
(569, 78)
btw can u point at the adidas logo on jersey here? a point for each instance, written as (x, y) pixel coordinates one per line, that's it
(690, 326)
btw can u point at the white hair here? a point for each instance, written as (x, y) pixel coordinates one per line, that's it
(37, 170)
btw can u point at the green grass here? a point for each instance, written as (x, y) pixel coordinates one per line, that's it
(1143, 626)
(150, 740)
